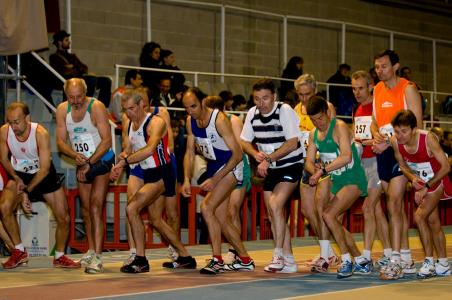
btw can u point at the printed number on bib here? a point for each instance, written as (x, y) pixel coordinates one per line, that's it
(206, 148)
(26, 166)
(387, 130)
(329, 157)
(84, 143)
(423, 170)
(362, 128)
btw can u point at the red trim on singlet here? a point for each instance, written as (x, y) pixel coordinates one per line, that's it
(365, 111)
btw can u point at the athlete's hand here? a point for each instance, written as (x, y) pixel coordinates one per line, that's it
(262, 168)
(20, 185)
(81, 173)
(315, 177)
(81, 159)
(186, 189)
(115, 172)
(260, 156)
(26, 204)
(379, 147)
(379, 138)
(419, 195)
(417, 183)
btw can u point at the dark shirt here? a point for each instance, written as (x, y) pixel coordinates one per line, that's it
(341, 97)
(67, 64)
(177, 79)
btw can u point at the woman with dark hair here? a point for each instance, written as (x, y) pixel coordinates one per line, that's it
(150, 58)
(293, 70)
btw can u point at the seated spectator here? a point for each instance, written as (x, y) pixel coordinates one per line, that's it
(70, 66)
(293, 70)
(239, 103)
(342, 97)
(132, 81)
(227, 98)
(163, 97)
(169, 63)
(150, 58)
(177, 103)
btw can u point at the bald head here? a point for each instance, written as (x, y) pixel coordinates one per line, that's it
(75, 83)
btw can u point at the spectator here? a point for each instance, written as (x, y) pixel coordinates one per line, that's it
(227, 98)
(374, 75)
(132, 81)
(177, 103)
(293, 70)
(169, 63)
(239, 103)
(150, 58)
(164, 97)
(342, 97)
(70, 66)
(291, 98)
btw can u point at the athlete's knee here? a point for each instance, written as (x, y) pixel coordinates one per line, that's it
(63, 219)
(420, 217)
(206, 210)
(275, 207)
(132, 210)
(6, 206)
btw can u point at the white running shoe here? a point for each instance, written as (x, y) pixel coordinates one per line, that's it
(95, 267)
(408, 267)
(288, 268)
(87, 257)
(427, 270)
(277, 263)
(442, 270)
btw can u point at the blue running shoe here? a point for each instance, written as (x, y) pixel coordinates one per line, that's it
(363, 268)
(345, 270)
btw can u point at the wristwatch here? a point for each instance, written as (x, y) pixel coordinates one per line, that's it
(268, 159)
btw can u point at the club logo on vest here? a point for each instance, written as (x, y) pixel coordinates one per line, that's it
(386, 104)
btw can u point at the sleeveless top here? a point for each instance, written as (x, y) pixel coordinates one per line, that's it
(24, 155)
(139, 139)
(210, 143)
(84, 136)
(269, 136)
(329, 151)
(387, 102)
(362, 121)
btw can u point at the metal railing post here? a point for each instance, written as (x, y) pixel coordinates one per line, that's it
(222, 41)
(18, 80)
(343, 43)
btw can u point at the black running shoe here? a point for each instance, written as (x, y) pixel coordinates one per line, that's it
(182, 262)
(213, 267)
(138, 265)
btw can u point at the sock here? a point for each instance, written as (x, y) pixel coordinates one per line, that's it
(278, 252)
(219, 258)
(406, 255)
(58, 254)
(430, 259)
(360, 259)
(346, 257)
(20, 247)
(330, 250)
(245, 259)
(367, 254)
(395, 257)
(324, 249)
(289, 258)
(444, 261)
(387, 252)
(133, 251)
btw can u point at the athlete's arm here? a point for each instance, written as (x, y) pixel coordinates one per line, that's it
(99, 115)
(43, 143)
(414, 103)
(189, 157)
(434, 147)
(310, 154)
(4, 151)
(237, 126)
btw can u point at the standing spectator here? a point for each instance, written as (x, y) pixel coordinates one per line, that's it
(70, 66)
(169, 63)
(342, 97)
(150, 58)
(132, 81)
(293, 70)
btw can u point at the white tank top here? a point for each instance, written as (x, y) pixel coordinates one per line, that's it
(84, 136)
(24, 155)
(138, 141)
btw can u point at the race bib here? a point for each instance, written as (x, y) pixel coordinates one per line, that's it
(25, 165)
(206, 148)
(304, 139)
(423, 170)
(266, 148)
(387, 130)
(328, 158)
(84, 144)
(362, 128)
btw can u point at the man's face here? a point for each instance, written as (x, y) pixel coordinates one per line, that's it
(136, 82)
(17, 120)
(192, 105)
(305, 92)
(321, 121)
(132, 109)
(65, 44)
(404, 134)
(76, 96)
(264, 100)
(165, 86)
(385, 70)
(169, 60)
(361, 89)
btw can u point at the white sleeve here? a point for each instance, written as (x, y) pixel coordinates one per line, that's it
(289, 121)
(247, 134)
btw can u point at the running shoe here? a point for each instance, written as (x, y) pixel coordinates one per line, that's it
(87, 257)
(289, 267)
(321, 266)
(442, 270)
(172, 253)
(345, 270)
(231, 256)
(333, 261)
(182, 262)
(382, 262)
(213, 267)
(65, 262)
(408, 267)
(364, 267)
(239, 265)
(277, 263)
(427, 270)
(16, 259)
(129, 259)
(392, 271)
(138, 265)
(95, 266)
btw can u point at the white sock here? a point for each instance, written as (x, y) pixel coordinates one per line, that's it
(367, 254)
(346, 257)
(430, 259)
(133, 251)
(395, 257)
(444, 261)
(331, 251)
(406, 255)
(278, 252)
(58, 254)
(289, 258)
(360, 259)
(387, 252)
(324, 249)
(20, 247)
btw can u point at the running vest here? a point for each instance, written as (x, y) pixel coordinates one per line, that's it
(83, 135)
(362, 119)
(306, 126)
(210, 143)
(420, 162)
(388, 102)
(329, 151)
(24, 155)
(269, 136)
(139, 139)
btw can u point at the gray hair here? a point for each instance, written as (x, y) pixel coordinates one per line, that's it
(306, 79)
(363, 74)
